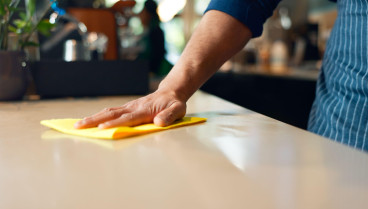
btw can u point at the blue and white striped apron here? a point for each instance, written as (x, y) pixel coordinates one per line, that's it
(340, 111)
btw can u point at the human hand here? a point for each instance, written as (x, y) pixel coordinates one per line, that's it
(160, 107)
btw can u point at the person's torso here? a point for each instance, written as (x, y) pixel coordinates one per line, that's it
(341, 107)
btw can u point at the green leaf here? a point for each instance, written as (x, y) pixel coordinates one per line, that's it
(27, 29)
(19, 23)
(44, 27)
(23, 16)
(23, 26)
(12, 29)
(31, 7)
(2, 9)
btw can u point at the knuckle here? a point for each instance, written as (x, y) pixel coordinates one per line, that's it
(169, 117)
(179, 105)
(179, 109)
(89, 120)
(146, 106)
(107, 109)
(131, 106)
(111, 113)
(131, 117)
(126, 117)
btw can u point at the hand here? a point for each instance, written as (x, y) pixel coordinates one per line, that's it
(160, 107)
(201, 58)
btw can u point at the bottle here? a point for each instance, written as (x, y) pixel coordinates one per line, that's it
(279, 57)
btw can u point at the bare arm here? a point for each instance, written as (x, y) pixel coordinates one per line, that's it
(217, 38)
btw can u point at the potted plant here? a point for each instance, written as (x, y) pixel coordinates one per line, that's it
(18, 24)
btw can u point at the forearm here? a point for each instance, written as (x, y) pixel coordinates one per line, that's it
(217, 38)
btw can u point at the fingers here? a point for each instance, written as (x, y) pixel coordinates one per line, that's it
(100, 117)
(160, 109)
(168, 116)
(128, 119)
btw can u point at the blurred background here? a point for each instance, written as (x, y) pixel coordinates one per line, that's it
(274, 74)
(301, 26)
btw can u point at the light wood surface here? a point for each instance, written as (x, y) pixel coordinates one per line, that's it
(238, 159)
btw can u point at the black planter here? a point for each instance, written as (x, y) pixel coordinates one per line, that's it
(13, 75)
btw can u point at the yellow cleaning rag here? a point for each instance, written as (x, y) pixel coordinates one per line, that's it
(67, 126)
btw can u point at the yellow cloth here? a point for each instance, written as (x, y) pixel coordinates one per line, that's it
(67, 126)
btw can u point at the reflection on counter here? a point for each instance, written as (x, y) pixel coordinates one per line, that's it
(76, 140)
(285, 97)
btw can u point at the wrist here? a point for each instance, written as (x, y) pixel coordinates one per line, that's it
(174, 91)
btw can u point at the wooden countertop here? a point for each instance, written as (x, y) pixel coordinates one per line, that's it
(238, 159)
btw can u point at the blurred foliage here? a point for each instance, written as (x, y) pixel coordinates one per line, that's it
(23, 25)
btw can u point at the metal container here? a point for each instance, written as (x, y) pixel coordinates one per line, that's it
(76, 51)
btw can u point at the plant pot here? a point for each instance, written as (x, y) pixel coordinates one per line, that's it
(13, 75)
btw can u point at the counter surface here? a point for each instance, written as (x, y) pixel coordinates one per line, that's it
(237, 159)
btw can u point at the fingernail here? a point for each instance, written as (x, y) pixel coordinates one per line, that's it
(77, 124)
(102, 126)
(80, 123)
(159, 122)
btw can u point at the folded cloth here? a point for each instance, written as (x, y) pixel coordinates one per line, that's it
(67, 126)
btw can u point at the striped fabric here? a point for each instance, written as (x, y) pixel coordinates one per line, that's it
(340, 111)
